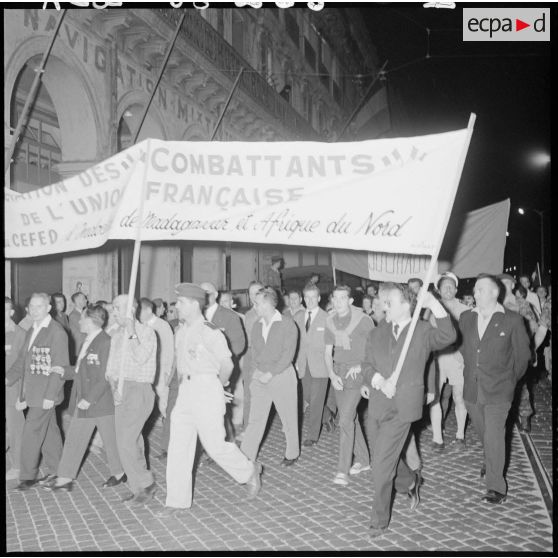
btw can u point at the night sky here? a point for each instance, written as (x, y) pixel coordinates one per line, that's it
(507, 84)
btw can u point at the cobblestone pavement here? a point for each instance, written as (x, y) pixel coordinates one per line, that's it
(541, 423)
(298, 509)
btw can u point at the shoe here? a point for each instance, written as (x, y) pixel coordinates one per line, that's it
(129, 497)
(60, 488)
(162, 456)
(358, 468)
(438, 447)
(288, 462)
(25, 485)
(482, 473)
(113, 481)
(341, 479)
(459, 442)
(254, 484)
(375, 532)
(47, 480)
(167, 513)
(493, 497)
(525, 424)
(309, 443)
(414, 493)
(12, 474)
(145, 495)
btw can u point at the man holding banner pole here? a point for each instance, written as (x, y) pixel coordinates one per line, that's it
(133, 363)
(392, 411)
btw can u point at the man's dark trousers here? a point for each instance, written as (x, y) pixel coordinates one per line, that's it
(314, 390)
(41, 435)
(489, 422)
(388, 435)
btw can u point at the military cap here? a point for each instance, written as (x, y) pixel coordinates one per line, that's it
(189, 290)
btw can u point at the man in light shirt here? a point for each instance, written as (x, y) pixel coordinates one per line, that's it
(133, 355)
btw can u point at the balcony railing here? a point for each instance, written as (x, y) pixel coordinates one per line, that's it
(201, 36)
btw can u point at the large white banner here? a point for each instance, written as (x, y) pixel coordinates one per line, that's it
(385, 195)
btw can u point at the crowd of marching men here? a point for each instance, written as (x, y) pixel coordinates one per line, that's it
(212, 373)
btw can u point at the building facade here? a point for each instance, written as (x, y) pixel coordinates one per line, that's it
(304, 72)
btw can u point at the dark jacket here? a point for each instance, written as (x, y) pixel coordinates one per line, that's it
(230, 324)
(50, 348)
(494, 364)
(278, 353)
(382, 353)
(89, 379)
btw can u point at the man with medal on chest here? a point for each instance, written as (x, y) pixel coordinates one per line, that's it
(45, 348)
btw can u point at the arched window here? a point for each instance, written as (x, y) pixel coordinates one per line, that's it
(38, 149)
(128, 125)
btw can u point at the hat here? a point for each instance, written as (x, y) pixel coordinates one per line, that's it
(189, 290)
(276, 259)
(448, 275)
(507, 276)
(158, 302)
(209, 288)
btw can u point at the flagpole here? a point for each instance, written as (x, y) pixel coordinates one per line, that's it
(434, 258)
(135, 264)
(165, 62)
(222, 115)
(31, 95)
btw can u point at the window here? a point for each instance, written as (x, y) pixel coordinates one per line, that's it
(266, 61)
(293, 29)
(324, 64)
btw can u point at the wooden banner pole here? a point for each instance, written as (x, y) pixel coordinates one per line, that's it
(160, 76)
(222, 115)
(31, 95)
(135, 263)
(434, 259)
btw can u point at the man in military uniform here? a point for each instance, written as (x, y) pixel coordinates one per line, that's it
(204, 365)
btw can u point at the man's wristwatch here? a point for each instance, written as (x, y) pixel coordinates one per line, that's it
(133, 336)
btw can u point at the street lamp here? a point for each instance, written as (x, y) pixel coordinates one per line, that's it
(521, 211)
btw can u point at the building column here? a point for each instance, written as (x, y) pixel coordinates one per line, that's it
(96, 271)
(208, 264)
(159, 271)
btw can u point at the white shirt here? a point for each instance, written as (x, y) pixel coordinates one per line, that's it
(210, 312)
(482, 322)
(87, 341)
(36, 329)
(266, 327)
(401, 326)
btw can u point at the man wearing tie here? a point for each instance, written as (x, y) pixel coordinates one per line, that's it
(310, 363)
(395, 403)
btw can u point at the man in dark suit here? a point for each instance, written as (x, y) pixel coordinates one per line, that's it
(310, 364)
(496, 353)
(94, 404)
(79, 300)
(45, 347)
(396, 402)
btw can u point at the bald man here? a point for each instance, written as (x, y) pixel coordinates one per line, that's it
(133, 353)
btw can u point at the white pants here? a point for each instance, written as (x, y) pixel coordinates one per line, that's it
(199, 411)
